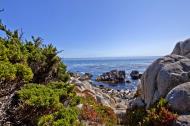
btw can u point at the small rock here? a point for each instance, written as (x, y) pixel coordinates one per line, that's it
(128, 81)
(86, 76)
(135, 75)
(101, 86)
(79, 106)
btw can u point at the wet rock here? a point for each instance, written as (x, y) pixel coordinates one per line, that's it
(112, 77)
(128, 81)
(135, 75)
(101, 86)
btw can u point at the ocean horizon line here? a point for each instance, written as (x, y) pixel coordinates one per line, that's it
(107, 57)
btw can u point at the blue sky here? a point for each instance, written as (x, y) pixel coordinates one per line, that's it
(102, 28)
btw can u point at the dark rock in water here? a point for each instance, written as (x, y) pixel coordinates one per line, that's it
(101, 86)
(112, 77)
(135, 75)
(128, 81)
(86, 76)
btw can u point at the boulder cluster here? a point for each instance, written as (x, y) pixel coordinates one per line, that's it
(169, 77)
(118, 76)
(112, 77)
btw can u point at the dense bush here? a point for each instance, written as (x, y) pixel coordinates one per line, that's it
(135, 116)
(96, 112)
(25, 56)
(55, 99)
(45, 98)
(158, 115)
(63, 117)
(50, 95)
(7, 71)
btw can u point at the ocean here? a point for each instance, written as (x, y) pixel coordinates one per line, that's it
(97, 66)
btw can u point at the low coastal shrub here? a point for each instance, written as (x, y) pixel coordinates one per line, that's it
(135, 116)
(158, 115)
(52, 103)
(39, 77)
(96, 112)
(63, 117)
(50, 95)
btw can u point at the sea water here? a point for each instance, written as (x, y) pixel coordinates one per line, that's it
(97, 66)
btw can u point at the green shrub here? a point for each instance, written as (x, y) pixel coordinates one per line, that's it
(63, 117)
(22, 62)
(135, 117)
(38, 95)
(42, 59)
(56, 102)
(157, 115)
(7, 71)
(3, 51)
(24, 72)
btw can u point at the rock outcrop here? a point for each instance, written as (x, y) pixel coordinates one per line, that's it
(135, 75)
(84, 87)
(182, 48)
(112, 77)
(85, 76)
(165, 74)
(179, 98)
(182, 120)
(162, 76)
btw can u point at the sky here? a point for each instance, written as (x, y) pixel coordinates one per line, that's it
(102, 28)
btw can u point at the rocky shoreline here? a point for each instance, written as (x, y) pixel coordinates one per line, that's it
(85, 79)
(161, 98)
(117, 100)
(168, 77)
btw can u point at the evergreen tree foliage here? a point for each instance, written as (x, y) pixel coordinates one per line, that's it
(38, 77)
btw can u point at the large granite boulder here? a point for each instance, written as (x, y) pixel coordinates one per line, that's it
(179, 98)
(162, 76)
(112, 77)
(182, 48)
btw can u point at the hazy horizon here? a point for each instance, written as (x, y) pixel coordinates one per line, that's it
(102, 28)
(109, 57)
